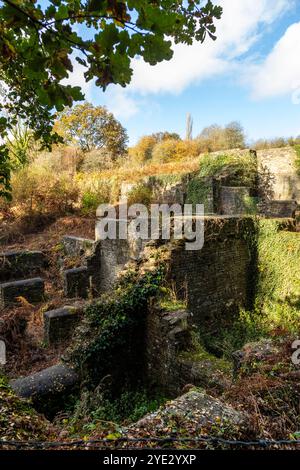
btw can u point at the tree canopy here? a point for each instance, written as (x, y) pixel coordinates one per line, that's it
(143, 150)
(92, 127)
(215, 137)
(39, 41)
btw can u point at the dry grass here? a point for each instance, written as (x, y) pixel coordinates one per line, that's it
(270, 394)
(22, 330)
(22, 326)
(130, 173)
(12, 237)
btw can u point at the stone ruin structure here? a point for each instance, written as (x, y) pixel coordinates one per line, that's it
(276, 169)
(216, 281)
(210, 288)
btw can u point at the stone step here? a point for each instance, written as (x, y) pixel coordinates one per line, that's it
(32, 290)
(76, 282)
(279, 209)
(59, 324)
(16, 265)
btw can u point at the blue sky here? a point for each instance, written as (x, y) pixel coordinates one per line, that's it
(250, 74)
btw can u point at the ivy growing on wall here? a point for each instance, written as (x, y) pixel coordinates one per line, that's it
(198, 191)
(113, 325)
(240, 169)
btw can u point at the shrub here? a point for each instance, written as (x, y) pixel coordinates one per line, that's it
(140, 194)
(93, 410)
(242, 169)
(96, 160)
(165, 151)
(95, 190)
(198, 191)
(38, 189)
(279, 275)
(91, 200)
(250, 205)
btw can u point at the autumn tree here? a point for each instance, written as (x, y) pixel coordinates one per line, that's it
(214, 138)
(92, 127)
(234, 135)
(170, 150)
(186, 149)
(165, 151)
(143, 150)
(38, 42)
(165, 135)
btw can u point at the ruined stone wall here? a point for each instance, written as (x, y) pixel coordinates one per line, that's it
(216, 279)
(114, 255)
(233, 200)
(167, 334)
(211, 277)
(162, 192)
(216, 282)
(280, 163)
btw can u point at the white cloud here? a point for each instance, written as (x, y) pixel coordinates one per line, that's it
(236, 31)
(242, 25)
(279, 74)
(120, 103)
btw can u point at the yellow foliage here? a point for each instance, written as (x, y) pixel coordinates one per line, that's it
(143, 150)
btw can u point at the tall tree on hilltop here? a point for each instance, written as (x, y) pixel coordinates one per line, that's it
(235, 135)
(189, 127)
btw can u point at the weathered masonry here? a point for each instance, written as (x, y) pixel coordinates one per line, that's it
(215, 282)
(211, 278)
(21, 264)
(281, 165)
(216, 279)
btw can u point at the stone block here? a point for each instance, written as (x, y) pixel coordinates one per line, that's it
(31, 289)
(233, 200)
(21, 264)
(279, 167)
(205, 373)
(59, 324)
(54, 380)
(93, 263)
(76, 282)
(246, 360)
(167, 335)
(76, 246)
(194, 407)
(280, 209)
